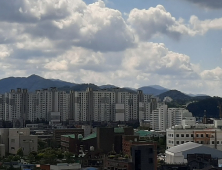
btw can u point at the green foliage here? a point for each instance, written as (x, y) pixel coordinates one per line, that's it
(20, 152)
(42, 144)
(69, 157)
(16, 158)
(209, 104)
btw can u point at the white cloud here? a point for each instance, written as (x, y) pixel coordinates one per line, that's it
(157, 59)
(95, 44)
(5, 51)
(153, 21)
(214, 74)
(201, 27)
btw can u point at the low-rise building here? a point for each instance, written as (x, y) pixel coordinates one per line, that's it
(57, 133)
(190, 131)
(21, 138)
(178, 154)
(71, 143)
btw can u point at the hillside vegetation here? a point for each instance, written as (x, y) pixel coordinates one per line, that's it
(209, 104)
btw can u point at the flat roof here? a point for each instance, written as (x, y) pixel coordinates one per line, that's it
(69, 136)
(91, 136)
(183, 147)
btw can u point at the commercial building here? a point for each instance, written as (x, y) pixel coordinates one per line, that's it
(178, 154)
(190, 131)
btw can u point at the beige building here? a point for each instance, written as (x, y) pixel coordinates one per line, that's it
(21, 138)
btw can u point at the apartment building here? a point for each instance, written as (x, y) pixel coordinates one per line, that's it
(164, 117)
(190, 131)
(80, 106)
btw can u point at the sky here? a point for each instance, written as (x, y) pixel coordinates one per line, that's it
(127, 43)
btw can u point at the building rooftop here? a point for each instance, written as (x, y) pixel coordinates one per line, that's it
(144, 133)
(192, 148)
(183, 147)
(69, 136)
(91, 136)
(118, 130)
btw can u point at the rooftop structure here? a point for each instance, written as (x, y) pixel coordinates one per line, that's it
(178, 154)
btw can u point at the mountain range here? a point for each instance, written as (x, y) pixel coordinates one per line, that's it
(35, 82)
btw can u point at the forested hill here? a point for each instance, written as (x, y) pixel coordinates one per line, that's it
(209, 104)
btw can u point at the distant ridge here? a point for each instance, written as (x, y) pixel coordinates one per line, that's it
(35, 82)
(177, 95)
(32, 83)
(152, 90)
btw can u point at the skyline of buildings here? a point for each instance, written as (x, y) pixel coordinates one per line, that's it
(87, 106)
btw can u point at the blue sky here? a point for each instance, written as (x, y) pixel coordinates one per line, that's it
(204, 50)
(133, 43)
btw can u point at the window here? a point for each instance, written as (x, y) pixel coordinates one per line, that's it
(201, 142)
(182, 142)
(177, 135)
(212, 142)
(191, 135)
(178, 142)
(207, 135)
(150, 150)
(182, 135)
(150, 160)
(197, 135)
(217, 142)
(187, 135)
(202, 135)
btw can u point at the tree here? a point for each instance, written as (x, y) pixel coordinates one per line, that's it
(42, 144)
(20, 152)
(68, 156)
(16, 158)
(31, 158)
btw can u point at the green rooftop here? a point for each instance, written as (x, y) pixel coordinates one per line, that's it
(91, 136)
(143, 133)
(69, 136)
(118, 130)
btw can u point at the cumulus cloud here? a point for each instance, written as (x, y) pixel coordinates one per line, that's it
(76, 23)
(201, 27)
(214, 74)
(5, 51)
(153, 21)
(91, 43)
(157, 59)
(212, 4)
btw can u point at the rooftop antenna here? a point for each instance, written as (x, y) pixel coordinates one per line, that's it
(220, 109)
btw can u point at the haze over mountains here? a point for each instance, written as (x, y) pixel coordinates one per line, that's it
(35, 82)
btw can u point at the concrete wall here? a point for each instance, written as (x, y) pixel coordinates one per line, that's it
(28, 144)
(14, 135)
(4, 138)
